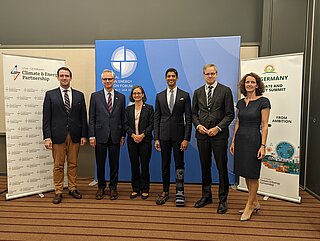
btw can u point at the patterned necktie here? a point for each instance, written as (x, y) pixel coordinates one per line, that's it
(210, 95)
(109, 104)
(171, 100)
(66, 101)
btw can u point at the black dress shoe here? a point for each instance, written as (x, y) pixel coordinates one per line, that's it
(222, 208)
(100, 194)
(114, 195)
(57, 199)
(75, 194)
(162, 198)
(203, 202)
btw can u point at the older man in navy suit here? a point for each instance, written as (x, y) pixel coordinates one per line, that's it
(106, 131)
(172, 131)
(64, 130)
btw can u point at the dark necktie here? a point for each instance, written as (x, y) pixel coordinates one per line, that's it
(171, 101)
(210, 95)
(109, 104)
(66, 101)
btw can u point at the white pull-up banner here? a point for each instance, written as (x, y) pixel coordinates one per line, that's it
(29, 164)
(282, 76)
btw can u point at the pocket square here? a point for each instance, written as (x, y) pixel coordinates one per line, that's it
(181, 98)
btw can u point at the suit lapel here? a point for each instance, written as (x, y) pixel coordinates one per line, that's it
(115, 100)
(178, 96)
(143, 110)
(59, 97)
(74, 99)
(203, 96)
(215, 95)
(131, 115)
(103, 98)
(165, 100)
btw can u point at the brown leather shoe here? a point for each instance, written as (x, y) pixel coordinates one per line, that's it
(100, 194)
(114, 195)
(57, 198)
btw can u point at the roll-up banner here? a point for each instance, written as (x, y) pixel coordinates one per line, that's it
(282, 76)
(29, 164)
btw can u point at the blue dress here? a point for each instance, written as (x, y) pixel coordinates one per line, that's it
(248, 138)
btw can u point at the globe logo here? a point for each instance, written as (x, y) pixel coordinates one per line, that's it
(124, 61)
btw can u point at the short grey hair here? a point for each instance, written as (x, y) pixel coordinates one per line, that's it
(108, 71)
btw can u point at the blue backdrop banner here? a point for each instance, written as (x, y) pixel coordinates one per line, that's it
(144, 62)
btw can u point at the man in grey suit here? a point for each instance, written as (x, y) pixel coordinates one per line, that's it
(172, 131)
(106, 131)
(64, 130)
(212, 112)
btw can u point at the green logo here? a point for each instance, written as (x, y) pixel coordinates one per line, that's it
(269, 69)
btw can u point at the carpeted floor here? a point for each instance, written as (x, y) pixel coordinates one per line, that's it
(35, 218)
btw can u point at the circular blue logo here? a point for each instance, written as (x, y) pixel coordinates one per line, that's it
(124, 61)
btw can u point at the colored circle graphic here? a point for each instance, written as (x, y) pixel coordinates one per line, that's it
(285, 150)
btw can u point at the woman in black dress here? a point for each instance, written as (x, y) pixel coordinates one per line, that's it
(139, 125)
(249, 139)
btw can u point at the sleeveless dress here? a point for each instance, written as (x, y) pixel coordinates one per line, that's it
(248, 138)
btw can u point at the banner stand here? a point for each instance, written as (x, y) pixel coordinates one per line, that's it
(267, 194)
(5, 190)
(280, 168)
(29, 163)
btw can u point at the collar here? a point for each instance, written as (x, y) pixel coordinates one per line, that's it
(106, 92)
(174, 90)
(214, 85)
(62, 89)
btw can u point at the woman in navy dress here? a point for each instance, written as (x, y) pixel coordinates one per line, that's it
(139, 125)
(249, 139)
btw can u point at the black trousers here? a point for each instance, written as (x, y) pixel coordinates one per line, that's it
(166, 150)
(101, 155)
(140, 155)
(219, 148)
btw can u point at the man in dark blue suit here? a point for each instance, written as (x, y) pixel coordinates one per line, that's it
(64, 130)
(172, 131)
(106, 131)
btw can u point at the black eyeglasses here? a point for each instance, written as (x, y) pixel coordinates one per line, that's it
(108, 79)
(213, 73)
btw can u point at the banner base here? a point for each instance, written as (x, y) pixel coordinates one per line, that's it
(10, 196)
(291, 199)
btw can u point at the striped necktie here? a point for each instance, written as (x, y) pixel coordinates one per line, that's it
(67, 101)
(210, 95)
(109, 104)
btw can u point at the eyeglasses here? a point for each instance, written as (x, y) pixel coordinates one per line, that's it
(107, 79)
(208, 74)
(138, 93)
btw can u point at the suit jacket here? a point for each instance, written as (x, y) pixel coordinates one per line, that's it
(57, 122)
(145, 122)
(103, 124)
(220, 113)
(175, 126)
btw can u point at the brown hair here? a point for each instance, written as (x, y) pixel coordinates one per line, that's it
(260, 84)
(144, 98)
